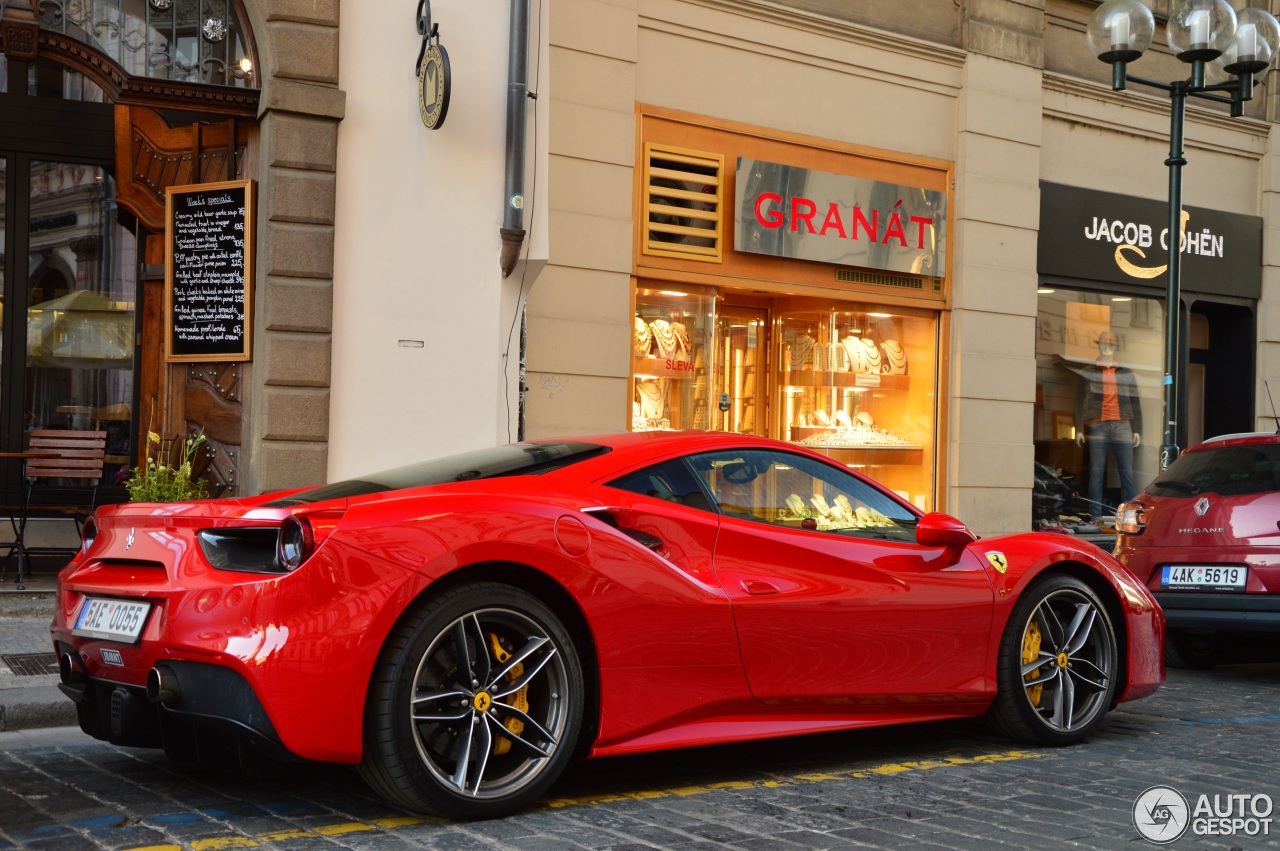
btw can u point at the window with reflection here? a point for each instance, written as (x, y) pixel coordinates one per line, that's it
(49, 79)
(81, 288)
(799, 492)
(1099, 401)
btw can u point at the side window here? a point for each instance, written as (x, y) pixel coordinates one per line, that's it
(799, 492)
(670, 481)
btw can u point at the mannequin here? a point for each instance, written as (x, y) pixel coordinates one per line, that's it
(1108, 416)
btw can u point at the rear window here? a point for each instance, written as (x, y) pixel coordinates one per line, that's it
(516, 459)
(1229, 471)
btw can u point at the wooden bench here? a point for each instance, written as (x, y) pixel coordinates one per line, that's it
(56, 460)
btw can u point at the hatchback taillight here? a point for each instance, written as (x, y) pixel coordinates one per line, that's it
(1131, 518)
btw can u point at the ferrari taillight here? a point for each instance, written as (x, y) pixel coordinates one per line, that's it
(1131, 518)
(302, 534)
(88, 532)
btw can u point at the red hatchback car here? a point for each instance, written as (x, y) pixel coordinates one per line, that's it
(1205, 539)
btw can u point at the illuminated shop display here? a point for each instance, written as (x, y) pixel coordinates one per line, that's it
(852, 380)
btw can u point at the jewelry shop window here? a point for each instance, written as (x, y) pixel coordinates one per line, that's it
(1098, 409)
(670, 357)
(858, 382)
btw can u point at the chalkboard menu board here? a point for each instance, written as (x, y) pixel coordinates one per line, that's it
(209, 271)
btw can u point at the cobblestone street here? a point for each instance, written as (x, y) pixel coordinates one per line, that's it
(945, 785)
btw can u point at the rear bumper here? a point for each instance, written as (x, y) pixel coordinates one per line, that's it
(212, 699)
(279, 659)
(1236, 612)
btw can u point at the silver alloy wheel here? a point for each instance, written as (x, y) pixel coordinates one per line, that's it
(490, 703)
(1067, 680)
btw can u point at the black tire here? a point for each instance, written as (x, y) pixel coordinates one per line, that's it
(1191, 650)
(1061, 693)
(497, 737)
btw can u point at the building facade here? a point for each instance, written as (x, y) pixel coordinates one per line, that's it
(892, 230)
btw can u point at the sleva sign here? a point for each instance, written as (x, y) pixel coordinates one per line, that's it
(1103, 236)
(785, 211)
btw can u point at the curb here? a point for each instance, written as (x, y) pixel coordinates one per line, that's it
(30, 707)
(33, 707)
(27, 604)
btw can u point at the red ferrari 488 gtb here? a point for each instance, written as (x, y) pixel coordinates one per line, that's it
(461, 628)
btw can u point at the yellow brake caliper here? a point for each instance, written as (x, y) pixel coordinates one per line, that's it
(1030, 652)
(519, 700)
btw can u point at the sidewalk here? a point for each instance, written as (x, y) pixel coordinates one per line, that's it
(29, 695)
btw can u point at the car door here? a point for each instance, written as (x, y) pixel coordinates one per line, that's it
(664, 507)
(832, 598)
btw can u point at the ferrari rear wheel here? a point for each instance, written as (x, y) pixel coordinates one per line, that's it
(1056, 672)
(476, 704)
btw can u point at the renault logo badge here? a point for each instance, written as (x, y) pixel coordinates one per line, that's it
(1202, 506)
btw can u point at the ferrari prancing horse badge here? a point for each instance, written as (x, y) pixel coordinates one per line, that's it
(998, 561)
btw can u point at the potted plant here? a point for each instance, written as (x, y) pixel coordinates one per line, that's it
(159, 479)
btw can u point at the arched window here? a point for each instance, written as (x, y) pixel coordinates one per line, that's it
(190, 41)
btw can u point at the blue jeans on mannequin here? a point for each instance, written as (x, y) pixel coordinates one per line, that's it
(1104, 438)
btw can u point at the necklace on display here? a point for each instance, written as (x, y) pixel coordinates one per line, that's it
(652, 405)
(800, 351)
(664, 336)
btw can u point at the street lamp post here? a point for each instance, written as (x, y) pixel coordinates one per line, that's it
(1198, 31)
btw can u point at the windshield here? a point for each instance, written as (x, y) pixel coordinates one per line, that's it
(516, 459)
(1229, 471)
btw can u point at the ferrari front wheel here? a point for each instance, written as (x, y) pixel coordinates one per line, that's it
(476, 704)
(1057, 665)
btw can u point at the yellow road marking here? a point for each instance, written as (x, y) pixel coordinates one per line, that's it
(220, 842)
(887, 769)
(884, 770)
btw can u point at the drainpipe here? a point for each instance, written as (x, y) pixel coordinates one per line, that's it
(512, 230)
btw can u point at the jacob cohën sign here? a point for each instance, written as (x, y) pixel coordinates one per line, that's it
(1102, 236)
(787, 211)
(208, 271)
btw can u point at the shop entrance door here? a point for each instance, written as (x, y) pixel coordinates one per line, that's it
(1220, 370)
(741, 370)
(67, 271)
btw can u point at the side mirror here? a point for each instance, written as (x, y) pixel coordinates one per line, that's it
(942, 530)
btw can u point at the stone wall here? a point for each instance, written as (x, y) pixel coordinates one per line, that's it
(287, 406)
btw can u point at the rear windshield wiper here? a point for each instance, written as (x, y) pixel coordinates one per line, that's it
(1173, 484)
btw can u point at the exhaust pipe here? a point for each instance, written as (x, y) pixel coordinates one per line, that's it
(71, 669)
(162, 686)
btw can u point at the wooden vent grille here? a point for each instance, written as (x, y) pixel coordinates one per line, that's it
(853, 276)
(683, 203)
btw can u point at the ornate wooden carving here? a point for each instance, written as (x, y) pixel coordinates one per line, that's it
(152, 156)
(18, 40)
(19, 30)
(24, 41)
(212, 403)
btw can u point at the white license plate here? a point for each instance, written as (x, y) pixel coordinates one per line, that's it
(111, 620)
(1191, 577)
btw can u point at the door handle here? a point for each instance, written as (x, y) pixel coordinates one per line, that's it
(758, 588)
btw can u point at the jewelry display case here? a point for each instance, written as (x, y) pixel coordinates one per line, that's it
(671, 342)
(857, 382)
(740, 395)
